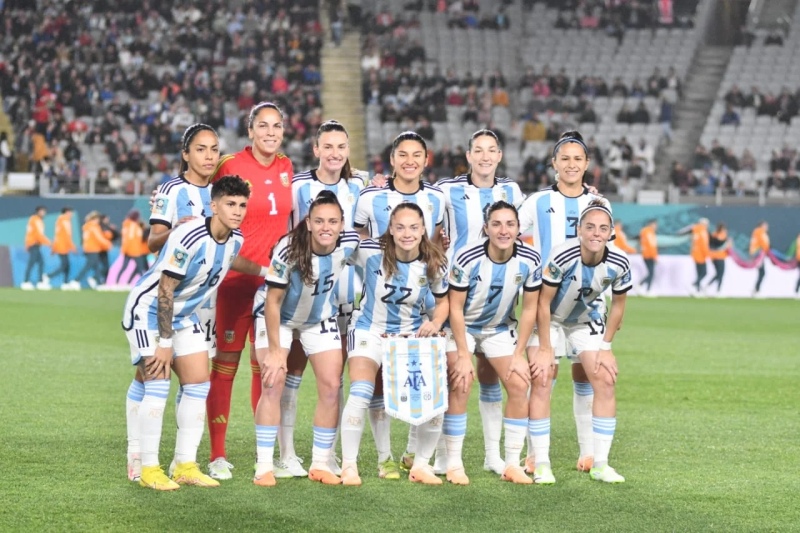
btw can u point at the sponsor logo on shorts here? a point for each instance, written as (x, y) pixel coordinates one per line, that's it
(230, 335)
(262, 333)
(362, 343)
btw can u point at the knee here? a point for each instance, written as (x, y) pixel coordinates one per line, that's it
(516, 388)
(603, 386)
(328, 387)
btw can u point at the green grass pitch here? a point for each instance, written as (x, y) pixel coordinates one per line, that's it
(707, 436)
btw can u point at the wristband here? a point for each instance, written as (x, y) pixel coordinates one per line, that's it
(604, 345)
(263, 272)
(165, 343)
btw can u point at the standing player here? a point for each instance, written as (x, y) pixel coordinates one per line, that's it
(465, 196)
(301, 300)
(759, 245)
(268, 173)
(179, 200)
(34, 240)
(375, 205)
(485, 280)
(553, 213)
(400, 270)
(161, 323)
(63, 245)
(578, 271)
(333, 174)
(649, 245)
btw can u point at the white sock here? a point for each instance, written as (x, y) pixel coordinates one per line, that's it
(355, 411)
(539, 434)
(381, 427)
(427, 436)
(603, 431)
(288, 415)
(265, 448)
(191, 417)
(132, 402)
(582, 400)
(453, 431)
(322, 448)
(341, 409)
(151, 419)
(490, 405)
(413, 439)
(516, 430)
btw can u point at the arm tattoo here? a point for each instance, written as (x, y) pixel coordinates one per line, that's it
(166, 289)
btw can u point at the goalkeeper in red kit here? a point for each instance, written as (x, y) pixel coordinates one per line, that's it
(269, 174)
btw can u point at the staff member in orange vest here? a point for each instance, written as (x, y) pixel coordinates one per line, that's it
(63, 245)
(649, 246)
(699, 252)
(759, 244)
(34, 239)
(131, 247)
(95, 240)
(718, 250)
(621, 240)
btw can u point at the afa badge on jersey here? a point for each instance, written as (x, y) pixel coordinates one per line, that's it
(517, 279)
(178, 258)
(423, 280)
(160, 206)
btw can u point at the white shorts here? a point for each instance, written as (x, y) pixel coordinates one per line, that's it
(318, 338)
(500, 344)
(208, 319)
(185, 341)
(557, 340)
(583, 337)
(362, 343)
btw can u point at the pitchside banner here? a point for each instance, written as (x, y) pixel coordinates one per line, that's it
(675, 274)
(415, 378)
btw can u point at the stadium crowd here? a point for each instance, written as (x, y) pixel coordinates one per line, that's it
(104, 91)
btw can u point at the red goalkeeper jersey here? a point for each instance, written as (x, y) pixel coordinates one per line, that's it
(270, 203)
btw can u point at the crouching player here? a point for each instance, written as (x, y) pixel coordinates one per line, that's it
(485, 279)
(164, 330)
(306, 265)
(578, 271)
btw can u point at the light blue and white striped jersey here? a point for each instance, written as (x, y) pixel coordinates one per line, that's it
(553, 217)
(194, 257)
(492, 288)
(465, 204)
(375, 205)
(305, 305)
(579, 285)
(305, 188)
(392, 305)
(178, 198)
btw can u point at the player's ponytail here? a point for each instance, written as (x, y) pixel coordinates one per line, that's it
(431, 255)
(334, 125)
(299, 252)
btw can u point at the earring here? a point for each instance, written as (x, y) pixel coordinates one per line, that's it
(556, 176)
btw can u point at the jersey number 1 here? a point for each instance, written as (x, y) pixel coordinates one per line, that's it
(271, 198)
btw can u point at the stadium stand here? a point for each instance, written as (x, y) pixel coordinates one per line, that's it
(97, 93)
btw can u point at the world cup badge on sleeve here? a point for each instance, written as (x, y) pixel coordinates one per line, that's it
(178, 258)
(415, 378)
(160, 206)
